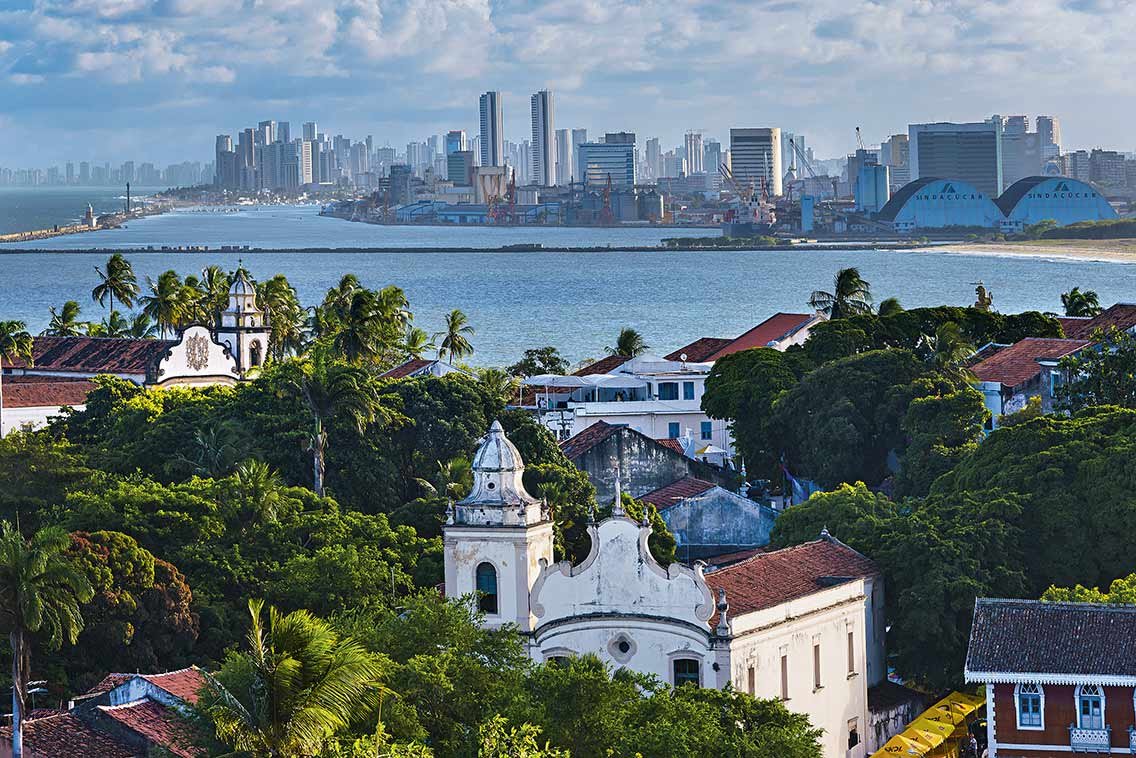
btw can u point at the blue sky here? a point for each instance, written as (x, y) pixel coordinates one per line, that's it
(157, 79)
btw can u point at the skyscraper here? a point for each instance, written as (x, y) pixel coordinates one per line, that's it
(267, 130)
(456, 141)
(564, 168)
(543, 139)
(492, 132)
(613, 159)
(755, 156)
(1049, 133)
(224, 145)
(654, 159)
(693, 144)
(284, 131)
(579, 137)
(968, 152)
(895, 154)
(311, 131)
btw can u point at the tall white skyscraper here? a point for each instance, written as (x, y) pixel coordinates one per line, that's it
(543, 139)
(564, 168)
(694, 153)
(492, 132)
(755, 156)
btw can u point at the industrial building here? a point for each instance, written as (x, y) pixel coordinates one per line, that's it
(1066, 201)
(613, 159)
(971, 153)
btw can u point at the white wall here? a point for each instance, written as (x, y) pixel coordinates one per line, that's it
(178, 367)
(19, 418)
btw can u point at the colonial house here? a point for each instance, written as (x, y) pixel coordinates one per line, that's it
(58, 374)
(1060, 677)
(1009, 375)
(804, 624)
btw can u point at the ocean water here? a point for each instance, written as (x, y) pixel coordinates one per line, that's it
(28, 208)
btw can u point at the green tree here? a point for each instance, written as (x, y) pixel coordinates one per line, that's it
(498, 740)
(629, 344)
(417, 344)
(539, 360)
(499, 384)
(293, 687)
(165, 303)
(64, 322)
(40, 593)
(258, 489)
(948, 352)
(116, 281)
(114, 325)
(287, 319)
(455, 337)
(1077, 303)
(1122, 591)
(943, 425)
(140, 327)
(889, 307)
(850, 296)
(1101, 374)
(15, 345)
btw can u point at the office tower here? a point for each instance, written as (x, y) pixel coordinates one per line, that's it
(1021, 150)
(385, 157)
(492, 132)
(459, 168)
(360, 159)
(267, 130)
(246, 159)
(1049, 133)
(400, 175)
(895, 154)
(693, 146)
(613, 158)
(84, 173)
(654, 159)
(564, 169)
(456, 141)
(311, 131)
(543, 139)
(283, 131)
(579, 137)
(224, 144)
(971, 153)
(127, 171)
(70, 173)
(755, 156)
(308, 162)
(1106, 167)
(712, 161)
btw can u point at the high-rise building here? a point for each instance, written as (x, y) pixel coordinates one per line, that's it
(1049, 132)
(564, 168)
(543, 139)
(613, 159)
(224, 144)
(492, 131)
(895, 154)
(267, 130)
(284, 131)
(755, 155)
(1021, 150)
(246, 159)
(400, 175)
(70, 173)
(309, 162)
(579, 137)
(456, 141)
(694, 157)
(1106, 167)
(459, 168)
(1076, 165)
(654, 159)
(311, 131)
(712, 161)
(971, 153)
(85, 172)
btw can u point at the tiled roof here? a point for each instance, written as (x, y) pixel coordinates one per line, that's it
(673, 443)
(715, 562)
(406, 369)
(183, 683)
(775, 328)
(688, 486)
(699, 350)
(94, 355)
(984, 352)
(1033, 637)
(769, 579)
(1072, 325)
(65, 735)
(1018, 363)
(603, 365)
(44, 391)
(577, 445)
(1121, 316)
(160, 725)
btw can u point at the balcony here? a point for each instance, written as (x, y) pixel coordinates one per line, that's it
(1090, 740)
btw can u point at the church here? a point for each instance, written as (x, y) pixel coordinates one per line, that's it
(61, 368)
(804, 624)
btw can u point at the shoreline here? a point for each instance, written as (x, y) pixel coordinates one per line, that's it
(1082, 250)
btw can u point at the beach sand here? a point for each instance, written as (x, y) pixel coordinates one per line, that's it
(1117, 250)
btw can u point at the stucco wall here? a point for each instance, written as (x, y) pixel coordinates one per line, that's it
(19, 418)
(197, 360)
(717, 522)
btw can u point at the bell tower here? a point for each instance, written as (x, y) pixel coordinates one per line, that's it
(496, 537)
(243, 328)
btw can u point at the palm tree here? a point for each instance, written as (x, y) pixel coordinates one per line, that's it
(335, 305)
(116, 281)
(141, 327)
(417, 343)
(629, 344)
(1077, 303)
(40, 593)
(498, 384)
(166, 302)
(850, 296)
(215, 449)
(15, 344)
(64, 322)
(359, 327)
(949, 350)
(889, 307)
(114, 325)
(330, 390)
(295, 685)
(213, 289)
(454, 342)
(287, 320)
(258, 489)
(453, 479)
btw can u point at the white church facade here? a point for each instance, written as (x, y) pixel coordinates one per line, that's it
(804, 624)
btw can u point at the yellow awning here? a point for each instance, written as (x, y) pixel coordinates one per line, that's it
(934, 726)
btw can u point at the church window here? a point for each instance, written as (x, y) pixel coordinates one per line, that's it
(751, 684)
(624, 646)
(254, 354)
(487, 588)
(686, 672)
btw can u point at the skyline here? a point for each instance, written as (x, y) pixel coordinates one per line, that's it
(127, 79)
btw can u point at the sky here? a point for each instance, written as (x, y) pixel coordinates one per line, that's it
(156, 80)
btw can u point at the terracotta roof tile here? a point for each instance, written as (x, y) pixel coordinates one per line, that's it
(688, 486)
(1121, 316)
(1072, 325)
(1017, 364)
(673, 443)
(406, 369)
(108, 683)
(45, 391)
(94, 355)
(603, 365)
(65, 735)
(769, 579)
(723, 560)
(775, 328)
(578, 444)
(183, 683)
(160, 726)
(1034, 637)
(699, 350)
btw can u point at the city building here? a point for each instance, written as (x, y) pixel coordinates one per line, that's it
(565, 170)
(1076, 165)
(613, 159)
(694, 153)
(709, 520)
(459, 168)
(543, 140)
(804, 624)
(1022, 153)
(1049, 130)
(1106, 168)
(456, 141)
(492, 130)
(1008, 376)
(1038, 198)
(895, 154)
(1060, 678)
(755, 158)
(970, 153)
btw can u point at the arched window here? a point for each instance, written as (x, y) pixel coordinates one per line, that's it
(1090, 707)
(1030, 702)
(686, 672)
(254, 354)
(487, 588)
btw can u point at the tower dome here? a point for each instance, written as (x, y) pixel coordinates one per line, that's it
(497, 471)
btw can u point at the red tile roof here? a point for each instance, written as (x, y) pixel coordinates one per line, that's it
(1121, 316)
(183, 683)
(699, 350)
(665, 497)
(160, 726)
(769, 579)
(1072, 325)
(1017, 364)
(672, 443)
(406, 369)
(94, 355)
(603, 365)
(44, 391)
(578, 444)
(775, 328)
(65, 735)
(728, 559)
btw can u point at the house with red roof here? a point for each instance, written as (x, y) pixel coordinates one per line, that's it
(1008, 376)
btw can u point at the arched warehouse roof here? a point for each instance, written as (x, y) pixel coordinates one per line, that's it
(1067, 201)
(930, 203)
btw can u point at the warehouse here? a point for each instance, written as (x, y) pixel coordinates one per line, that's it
(939, 204)
(1066, 201)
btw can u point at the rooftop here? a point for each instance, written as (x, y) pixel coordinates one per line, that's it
(406, 369)
(773, 329)
(158, 724)
(700, 350)
(1017, 364)
(33, 391)
(94, 355)
(688, 486)
(63, 734)
(1034, 637)
(183, 683)
(578, 444)
(603, 365)
(1121, 316)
